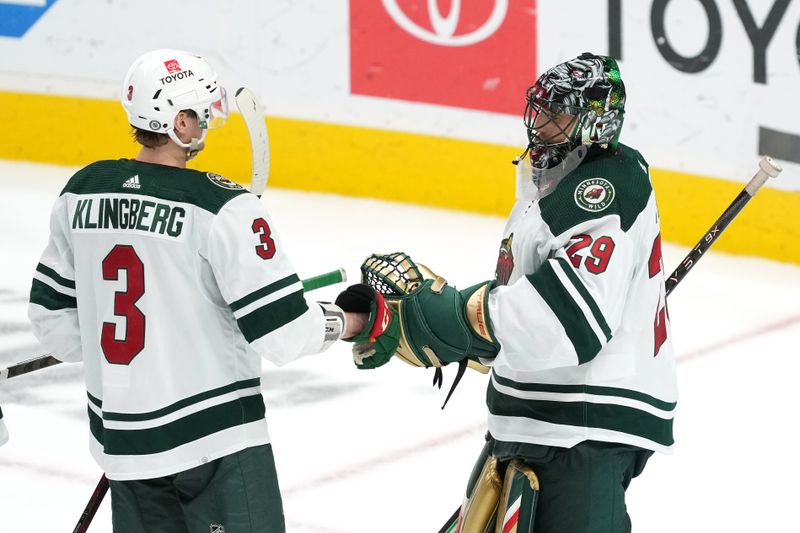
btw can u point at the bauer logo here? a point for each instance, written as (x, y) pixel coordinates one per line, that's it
(17, 17)
(475, 55)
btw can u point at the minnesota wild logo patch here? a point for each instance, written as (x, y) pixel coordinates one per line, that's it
(222, 181)
(594, 194)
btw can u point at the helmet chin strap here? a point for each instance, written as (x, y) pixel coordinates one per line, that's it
(194, 147)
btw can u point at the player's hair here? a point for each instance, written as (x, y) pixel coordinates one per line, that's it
(151, 139)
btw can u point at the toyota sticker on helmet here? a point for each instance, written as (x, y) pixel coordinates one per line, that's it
(444, 27)
(594, 194)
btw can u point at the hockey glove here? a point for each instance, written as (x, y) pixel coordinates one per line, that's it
(438, 323)
(376, 343)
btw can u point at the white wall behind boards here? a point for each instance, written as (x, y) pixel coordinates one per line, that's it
(712, 83)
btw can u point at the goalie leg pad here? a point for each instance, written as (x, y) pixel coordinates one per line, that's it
(483, 494)
(517, 509)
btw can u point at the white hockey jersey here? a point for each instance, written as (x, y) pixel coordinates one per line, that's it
(168, 283)
(580, 313)
(3, 430)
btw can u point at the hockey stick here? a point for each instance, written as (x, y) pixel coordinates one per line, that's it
(92, 506)
(253, 116)
(44, 361)
(767, 168)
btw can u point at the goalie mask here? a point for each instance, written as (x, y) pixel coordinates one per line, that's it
(572, 106)
(162, 83)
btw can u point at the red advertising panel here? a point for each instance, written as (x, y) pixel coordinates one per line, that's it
(476, 54)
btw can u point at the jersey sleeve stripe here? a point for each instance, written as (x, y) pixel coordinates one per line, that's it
(213, 393)
(52, 274)
(54, 285)
(606, 416)
(583, 337)
(264, 291)
(49, 298)
(586, 296)
(178, 432)
(272, 316)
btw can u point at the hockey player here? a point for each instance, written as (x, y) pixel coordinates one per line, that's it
(574, 325)
(168, 284)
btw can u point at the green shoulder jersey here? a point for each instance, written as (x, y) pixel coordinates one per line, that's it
(580, 313)
(169, 284)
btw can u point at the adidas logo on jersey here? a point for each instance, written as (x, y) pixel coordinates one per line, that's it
(132, 183)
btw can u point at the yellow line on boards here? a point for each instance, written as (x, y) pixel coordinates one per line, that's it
(391, 165)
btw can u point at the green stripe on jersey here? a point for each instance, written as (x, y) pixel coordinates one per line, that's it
(52, 274)
(272, 316)
(179, 432)
(213, 393)
(49, 298)
(587, 297)
(578, 330)
(586, 389)
(264, 291)
(96, 401)
(583, 414)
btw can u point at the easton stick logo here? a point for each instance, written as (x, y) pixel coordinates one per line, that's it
(594, 194)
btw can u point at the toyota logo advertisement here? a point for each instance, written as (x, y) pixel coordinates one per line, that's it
(475, 55)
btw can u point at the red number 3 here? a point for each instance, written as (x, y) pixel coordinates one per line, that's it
(122, 352)
(265, 250)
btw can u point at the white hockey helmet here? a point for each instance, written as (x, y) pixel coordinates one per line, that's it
(162, 83)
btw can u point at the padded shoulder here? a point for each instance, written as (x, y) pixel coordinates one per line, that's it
(606, 183)
(206, 190)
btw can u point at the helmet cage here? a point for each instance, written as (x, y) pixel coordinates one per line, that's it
(589, 89)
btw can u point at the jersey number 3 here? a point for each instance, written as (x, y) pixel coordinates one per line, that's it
(122, 352)
(265, 250)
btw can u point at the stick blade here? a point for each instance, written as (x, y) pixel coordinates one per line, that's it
(253, 115)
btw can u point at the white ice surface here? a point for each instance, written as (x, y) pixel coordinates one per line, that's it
(366, 451)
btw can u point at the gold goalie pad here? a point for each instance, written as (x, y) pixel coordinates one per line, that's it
(479, 509)
(492, 509)
(517, 509)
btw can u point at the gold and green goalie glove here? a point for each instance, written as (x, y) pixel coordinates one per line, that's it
(438, 323)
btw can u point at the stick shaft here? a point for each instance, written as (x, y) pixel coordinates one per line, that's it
(323, 280)
(92, 506)
(768, 168)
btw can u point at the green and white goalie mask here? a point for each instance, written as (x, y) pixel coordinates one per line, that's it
(571, 107)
